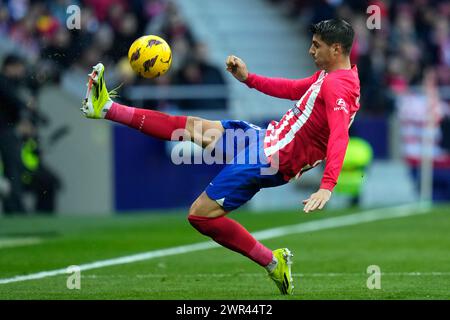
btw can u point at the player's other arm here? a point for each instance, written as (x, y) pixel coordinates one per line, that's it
(338, 122)
(275, 87)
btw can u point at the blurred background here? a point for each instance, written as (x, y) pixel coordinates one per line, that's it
(54, 161)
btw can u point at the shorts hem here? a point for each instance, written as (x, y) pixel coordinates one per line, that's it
(226, 208)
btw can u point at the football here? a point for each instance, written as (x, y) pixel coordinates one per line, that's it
(150, 56)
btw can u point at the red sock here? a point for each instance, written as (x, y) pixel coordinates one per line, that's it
(154, 123)
(232, 235)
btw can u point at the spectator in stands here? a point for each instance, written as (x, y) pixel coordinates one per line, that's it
(13, 110)
(414, 35)
(197, 70)
(107, 30)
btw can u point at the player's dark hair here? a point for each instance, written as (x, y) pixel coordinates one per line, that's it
(335, 31)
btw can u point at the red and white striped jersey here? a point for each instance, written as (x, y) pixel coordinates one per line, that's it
(316, 128)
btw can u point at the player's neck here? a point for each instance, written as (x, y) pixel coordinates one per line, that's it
(339, 65)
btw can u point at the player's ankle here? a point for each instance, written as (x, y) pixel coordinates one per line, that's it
(106, 107)
(272, 265)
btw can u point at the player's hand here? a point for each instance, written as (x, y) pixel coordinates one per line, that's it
(317, 200)
(237, 68)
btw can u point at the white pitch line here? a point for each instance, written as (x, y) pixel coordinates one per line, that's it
(348, 220)
(16, 242)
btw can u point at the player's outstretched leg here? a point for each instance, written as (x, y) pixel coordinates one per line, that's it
(98, 105)
(209, 219)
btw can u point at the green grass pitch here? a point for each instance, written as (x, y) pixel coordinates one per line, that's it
(412, 253)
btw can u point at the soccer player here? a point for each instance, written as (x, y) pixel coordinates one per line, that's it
(316, 128)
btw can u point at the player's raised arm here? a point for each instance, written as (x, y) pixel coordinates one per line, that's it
(275, 87)
(237, 68)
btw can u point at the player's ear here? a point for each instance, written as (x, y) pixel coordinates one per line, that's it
(336, 48)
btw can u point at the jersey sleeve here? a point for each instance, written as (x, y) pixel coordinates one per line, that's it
(337, 107)
(281, 87)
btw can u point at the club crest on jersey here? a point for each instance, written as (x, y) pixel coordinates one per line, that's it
(341, 105)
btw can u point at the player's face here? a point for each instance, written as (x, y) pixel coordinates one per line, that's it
(322, 53)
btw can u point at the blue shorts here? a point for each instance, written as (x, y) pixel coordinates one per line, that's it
(249, 169)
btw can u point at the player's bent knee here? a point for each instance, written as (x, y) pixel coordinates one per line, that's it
(198, 210)
(203, 206)
(194, 209)
(199, 223)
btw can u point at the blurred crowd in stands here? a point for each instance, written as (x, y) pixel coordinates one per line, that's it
(107, 29)
(414, 39)
(45, 49)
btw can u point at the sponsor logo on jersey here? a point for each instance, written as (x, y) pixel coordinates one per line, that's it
(341, 105)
